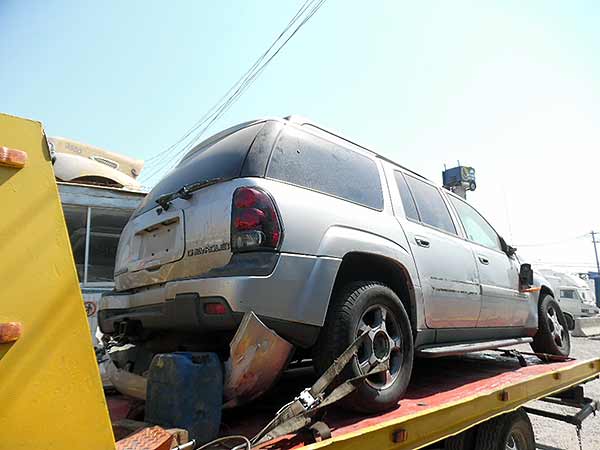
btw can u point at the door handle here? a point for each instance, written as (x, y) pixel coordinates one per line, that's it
(422, 242)
(484, 260)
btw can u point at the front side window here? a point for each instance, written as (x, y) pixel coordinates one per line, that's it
(305, 160)
(567, 293)
(430, 205)
(476, 227)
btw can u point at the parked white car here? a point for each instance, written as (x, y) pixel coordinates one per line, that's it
(574, 295)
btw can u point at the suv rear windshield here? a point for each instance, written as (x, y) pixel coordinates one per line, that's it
(221, 156)
(306, 160)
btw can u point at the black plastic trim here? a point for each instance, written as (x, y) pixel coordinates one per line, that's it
(185, 314)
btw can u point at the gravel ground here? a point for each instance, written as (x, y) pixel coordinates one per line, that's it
(552, 434)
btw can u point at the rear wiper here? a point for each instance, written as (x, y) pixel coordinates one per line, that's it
(186, 191)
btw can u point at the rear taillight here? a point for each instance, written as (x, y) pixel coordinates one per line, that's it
(255, 223)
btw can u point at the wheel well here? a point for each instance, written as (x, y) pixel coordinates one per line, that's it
(545, 291)
(369, 267)
(568, 316)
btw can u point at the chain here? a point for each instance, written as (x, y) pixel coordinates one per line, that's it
(579, 437)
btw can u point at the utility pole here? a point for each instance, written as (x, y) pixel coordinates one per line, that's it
(596, 250)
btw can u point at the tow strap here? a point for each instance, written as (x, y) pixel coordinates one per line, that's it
(300, 412)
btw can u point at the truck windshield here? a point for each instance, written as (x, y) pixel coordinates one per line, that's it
(219, 157)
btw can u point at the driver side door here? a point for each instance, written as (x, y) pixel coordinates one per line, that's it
(502, 305)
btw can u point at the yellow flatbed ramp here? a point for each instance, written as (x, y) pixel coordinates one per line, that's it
(445, 397)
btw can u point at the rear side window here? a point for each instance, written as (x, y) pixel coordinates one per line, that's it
(410, 209)
(430, 205)
(217, 157)
(305, 160)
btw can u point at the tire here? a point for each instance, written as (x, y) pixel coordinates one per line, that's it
(373, 307)
(462, 441)
(511, 431)
(552, 336)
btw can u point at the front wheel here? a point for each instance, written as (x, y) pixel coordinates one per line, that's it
(372, 308)
(552, 336)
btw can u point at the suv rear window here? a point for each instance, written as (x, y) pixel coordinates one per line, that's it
(312, 162)
(220, 156)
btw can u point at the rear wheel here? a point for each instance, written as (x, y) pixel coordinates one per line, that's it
(462, 441)
(512, 431)
(552, 336)
(372, 308)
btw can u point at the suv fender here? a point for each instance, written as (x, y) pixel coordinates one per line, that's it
(380, 259)
(545, 289)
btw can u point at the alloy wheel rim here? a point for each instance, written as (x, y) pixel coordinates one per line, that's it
(516, 441)
(383, 341)
(557, 330)
(511, 444)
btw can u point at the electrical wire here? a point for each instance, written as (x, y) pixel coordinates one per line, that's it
(222, 99)
(166, 159)
(562, 241)
(245, 84)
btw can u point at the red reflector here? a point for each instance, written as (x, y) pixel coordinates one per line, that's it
(215, 308)
(12, 158)
(10, 331)
(248, 219)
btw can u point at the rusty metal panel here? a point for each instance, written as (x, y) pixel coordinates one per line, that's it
(257, 357)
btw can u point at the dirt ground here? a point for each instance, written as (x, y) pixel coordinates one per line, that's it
(551, 434)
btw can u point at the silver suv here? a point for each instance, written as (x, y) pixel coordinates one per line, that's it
(324, 240)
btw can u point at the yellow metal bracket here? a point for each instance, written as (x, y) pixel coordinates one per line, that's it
(50, 390)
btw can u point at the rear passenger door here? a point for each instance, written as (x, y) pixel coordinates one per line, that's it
(502, 303)
(445, 263)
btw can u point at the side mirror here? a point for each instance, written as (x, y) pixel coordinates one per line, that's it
(526, 275)
(510, 251)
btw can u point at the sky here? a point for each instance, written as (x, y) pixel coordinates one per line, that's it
(510, 88)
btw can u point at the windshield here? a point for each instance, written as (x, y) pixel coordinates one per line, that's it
(221, 156)
(586, 295)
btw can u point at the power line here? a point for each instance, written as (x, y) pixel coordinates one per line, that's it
(565, 264)
(224, 97)
(166, 159)
(218, 110)
(562, 241)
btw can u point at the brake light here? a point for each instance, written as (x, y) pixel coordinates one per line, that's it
(249, 219)
(255, 223)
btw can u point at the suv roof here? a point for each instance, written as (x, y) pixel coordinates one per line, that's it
(300, 120)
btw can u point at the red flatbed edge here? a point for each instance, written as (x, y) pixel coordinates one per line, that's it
(445, 397)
